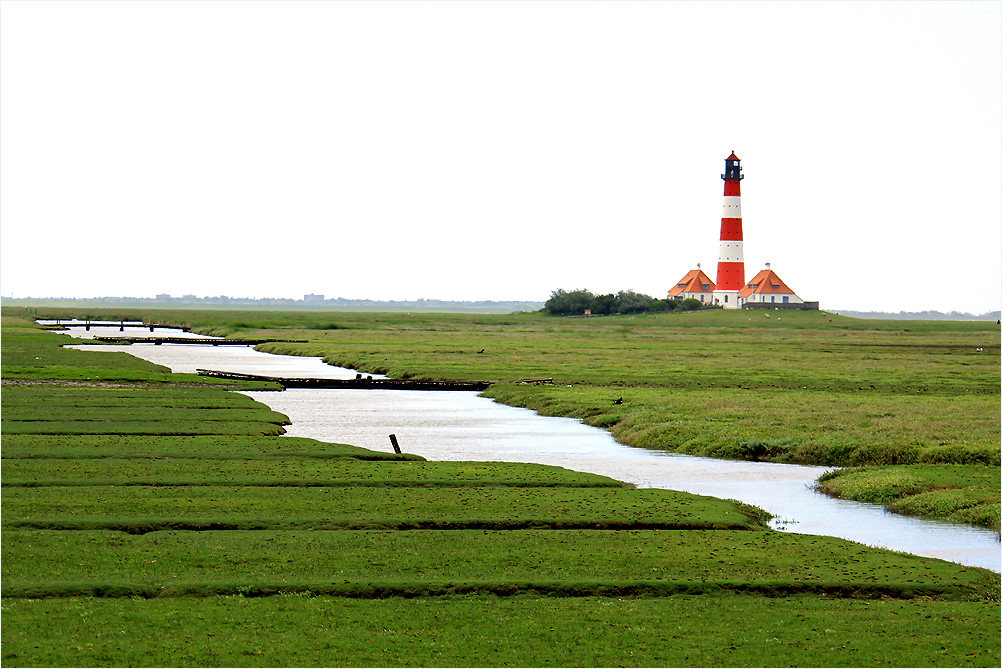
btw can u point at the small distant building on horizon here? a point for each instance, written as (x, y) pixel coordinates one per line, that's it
(313, 299)
(696, 285)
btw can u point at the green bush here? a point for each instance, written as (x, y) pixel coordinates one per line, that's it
(664, 305)
(567, 303)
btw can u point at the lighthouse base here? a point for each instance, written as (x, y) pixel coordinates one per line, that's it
(728, 299)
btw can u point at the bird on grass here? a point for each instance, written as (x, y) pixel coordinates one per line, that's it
(619, 401)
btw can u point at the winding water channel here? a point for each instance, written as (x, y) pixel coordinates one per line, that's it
(459, 425)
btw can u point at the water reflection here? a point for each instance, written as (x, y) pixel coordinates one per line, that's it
(459, 425)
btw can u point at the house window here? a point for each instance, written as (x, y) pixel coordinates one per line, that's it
(706, 286)
(786, 299)
(725, 298)
(773, 298)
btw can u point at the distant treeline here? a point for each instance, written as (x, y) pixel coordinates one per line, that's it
(319, 304)
(576, 302)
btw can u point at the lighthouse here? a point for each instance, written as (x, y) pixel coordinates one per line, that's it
(731, 262)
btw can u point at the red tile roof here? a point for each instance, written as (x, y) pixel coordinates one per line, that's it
(766, 282)
(732, 157)
(692, 282)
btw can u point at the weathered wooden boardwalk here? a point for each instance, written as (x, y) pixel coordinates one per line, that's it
(87, 325)
(205, 341)
(359, 382)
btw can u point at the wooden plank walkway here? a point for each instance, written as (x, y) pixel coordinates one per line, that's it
(359, 382)
(204, 341)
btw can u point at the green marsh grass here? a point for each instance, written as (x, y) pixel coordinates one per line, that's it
(146, 412)
(58, 408)
(179, 427)
(680, 631)
(788, 425)
(364, 507)
(420, 562)
(947, 492)
(204, 447)
(290, 471)
(224, 549)
(799, 387)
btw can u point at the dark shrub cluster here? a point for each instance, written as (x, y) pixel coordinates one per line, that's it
(577, 302)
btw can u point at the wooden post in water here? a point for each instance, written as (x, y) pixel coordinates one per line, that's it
(121, 326)
(396, 446)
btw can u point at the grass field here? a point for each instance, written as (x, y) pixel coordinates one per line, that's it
(786, 386)
(234, 547)
(951, 492)
(460, 631)
(798, 387)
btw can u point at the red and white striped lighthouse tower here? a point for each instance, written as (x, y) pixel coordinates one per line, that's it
(731, 263)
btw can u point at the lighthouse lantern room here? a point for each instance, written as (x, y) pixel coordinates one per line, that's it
(732, 168)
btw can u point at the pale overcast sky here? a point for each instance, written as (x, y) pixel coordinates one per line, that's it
(499, 150)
